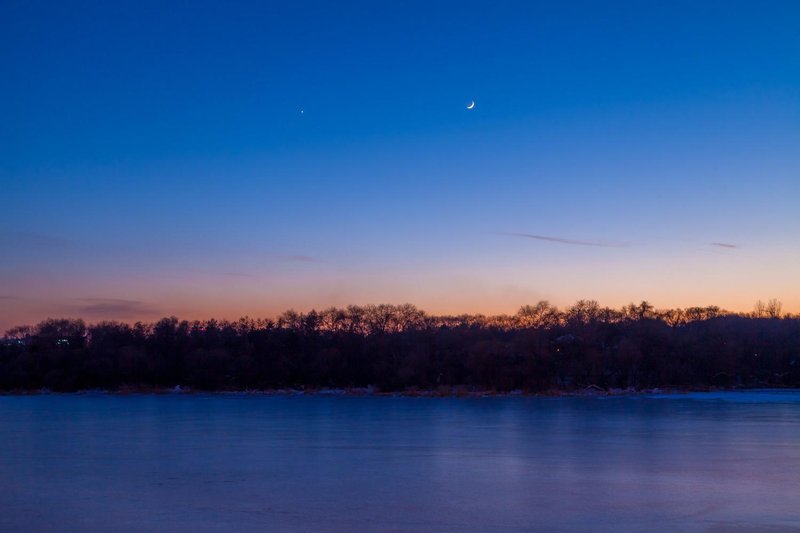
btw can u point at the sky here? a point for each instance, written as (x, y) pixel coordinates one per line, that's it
(225, 159)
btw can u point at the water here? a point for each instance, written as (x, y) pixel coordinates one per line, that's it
(699, 462)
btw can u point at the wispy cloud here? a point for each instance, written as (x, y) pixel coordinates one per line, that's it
(8, 297)
(574, 242)
(229, 273)
(30, 240)
(107, 308)
(724, 245)
(299, 258)
(257, 268)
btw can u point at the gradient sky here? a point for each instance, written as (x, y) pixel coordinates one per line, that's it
(154, 159)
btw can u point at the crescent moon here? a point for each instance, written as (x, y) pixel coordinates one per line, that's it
(471, 105)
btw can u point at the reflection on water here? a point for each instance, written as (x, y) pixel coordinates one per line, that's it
(713, 462)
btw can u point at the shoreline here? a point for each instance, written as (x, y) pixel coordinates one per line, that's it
(448, 392)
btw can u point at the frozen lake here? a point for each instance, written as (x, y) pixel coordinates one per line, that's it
(698, 462)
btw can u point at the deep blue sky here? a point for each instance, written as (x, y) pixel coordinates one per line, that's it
(154, 158)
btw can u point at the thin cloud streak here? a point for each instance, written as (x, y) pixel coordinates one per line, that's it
(274, 257)
(106, 308)
(220, 273)
(31, 240)
(724, 245)
(574, 242)
(299, 258)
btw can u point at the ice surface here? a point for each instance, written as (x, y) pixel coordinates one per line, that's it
(185, 462)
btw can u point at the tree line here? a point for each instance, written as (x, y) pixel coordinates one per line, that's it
(399, 347)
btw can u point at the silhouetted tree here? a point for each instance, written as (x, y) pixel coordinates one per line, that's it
(401, 347)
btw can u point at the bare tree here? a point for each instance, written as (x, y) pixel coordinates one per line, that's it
(771, 309)
(774, 308)
(541, 315)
